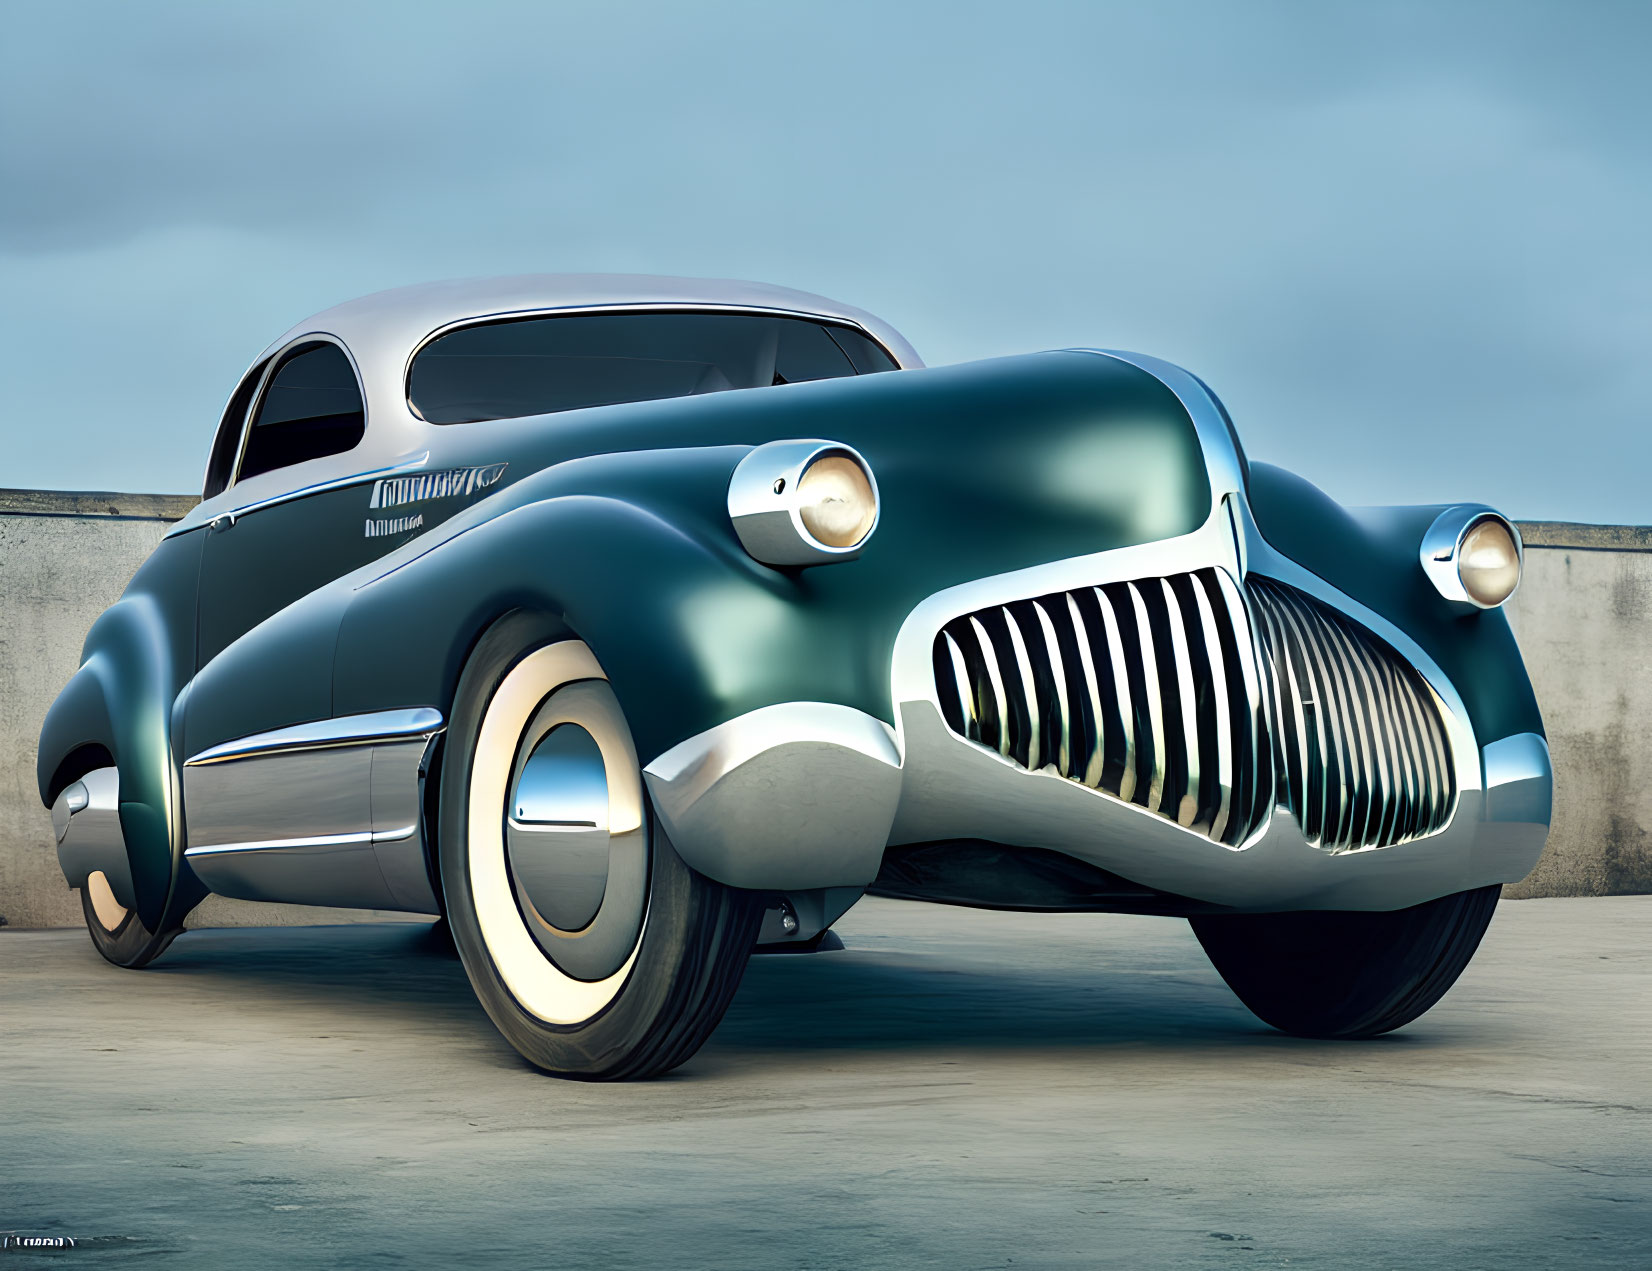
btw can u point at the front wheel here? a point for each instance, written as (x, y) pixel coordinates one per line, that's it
(1347, 974)
(594, 948)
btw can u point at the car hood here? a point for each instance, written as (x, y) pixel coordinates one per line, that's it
(982, 467)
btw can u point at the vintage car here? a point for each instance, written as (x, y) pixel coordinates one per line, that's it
(628, 623)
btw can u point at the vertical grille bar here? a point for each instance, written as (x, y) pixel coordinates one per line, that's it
(1255, 775)
(1028, 699)
(1186, 808)
(1125, 709)
(1060, 725)
(1147, 658)
(1096, 758)
(1224, 738)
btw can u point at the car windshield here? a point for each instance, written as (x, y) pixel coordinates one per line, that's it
(535, 366)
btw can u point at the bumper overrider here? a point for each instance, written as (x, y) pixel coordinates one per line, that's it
(1201, 717)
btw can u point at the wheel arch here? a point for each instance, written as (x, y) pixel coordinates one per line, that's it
(76, 736)
(118, 709)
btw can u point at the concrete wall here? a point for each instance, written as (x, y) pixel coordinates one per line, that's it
(1584, 615)
(64, 559)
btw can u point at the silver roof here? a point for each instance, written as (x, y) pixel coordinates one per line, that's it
(388, 325)
(382, 331)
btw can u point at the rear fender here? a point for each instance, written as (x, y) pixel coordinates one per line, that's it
(121, 701)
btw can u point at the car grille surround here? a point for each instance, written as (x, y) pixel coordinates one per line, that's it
(1205, 704)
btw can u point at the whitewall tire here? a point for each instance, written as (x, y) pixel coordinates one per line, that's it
(597, 952)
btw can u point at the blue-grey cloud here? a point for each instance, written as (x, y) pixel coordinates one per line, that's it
(1405, 242)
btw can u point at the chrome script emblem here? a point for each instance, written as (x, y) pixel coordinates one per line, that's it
(453, 483)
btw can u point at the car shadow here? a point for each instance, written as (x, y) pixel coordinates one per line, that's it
(404, 968)
(900, 1001)
(860, 999)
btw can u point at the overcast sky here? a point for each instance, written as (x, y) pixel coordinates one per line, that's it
(1407, 244)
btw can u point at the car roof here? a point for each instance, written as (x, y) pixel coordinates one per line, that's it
(389, 325)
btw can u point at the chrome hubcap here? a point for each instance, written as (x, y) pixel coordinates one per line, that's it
(581, 888)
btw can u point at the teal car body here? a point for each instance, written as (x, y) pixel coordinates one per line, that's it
(800, 727)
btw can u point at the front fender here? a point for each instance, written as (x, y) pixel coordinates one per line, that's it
(1371, 554)
(635, 555)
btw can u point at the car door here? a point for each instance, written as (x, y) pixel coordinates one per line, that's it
(276, 810)
(293, 521)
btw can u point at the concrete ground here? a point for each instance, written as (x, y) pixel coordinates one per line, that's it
(952, 1090)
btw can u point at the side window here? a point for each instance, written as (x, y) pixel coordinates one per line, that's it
(869, 358)
(227, 440)
(311, 408)
(807, 352)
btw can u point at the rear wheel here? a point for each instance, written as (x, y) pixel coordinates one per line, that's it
(117, 932)
(1347, 974)
(596, 951)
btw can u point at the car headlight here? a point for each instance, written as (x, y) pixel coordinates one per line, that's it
(1473, 555)
(803, 502)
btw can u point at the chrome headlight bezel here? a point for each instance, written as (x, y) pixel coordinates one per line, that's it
(1441, 552)
(765, 503)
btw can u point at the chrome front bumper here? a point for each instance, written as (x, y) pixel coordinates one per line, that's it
(808, 795)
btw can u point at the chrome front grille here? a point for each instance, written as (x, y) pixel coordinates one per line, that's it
(1362, 751)
(1206, 706)
(1148, 690)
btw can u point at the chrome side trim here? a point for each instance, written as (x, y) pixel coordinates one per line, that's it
(265, 845)
(343, 797)
(318, 840)
(198, 518)
(344, 730)
(335, 870)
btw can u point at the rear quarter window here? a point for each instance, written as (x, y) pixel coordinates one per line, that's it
(311, 408)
